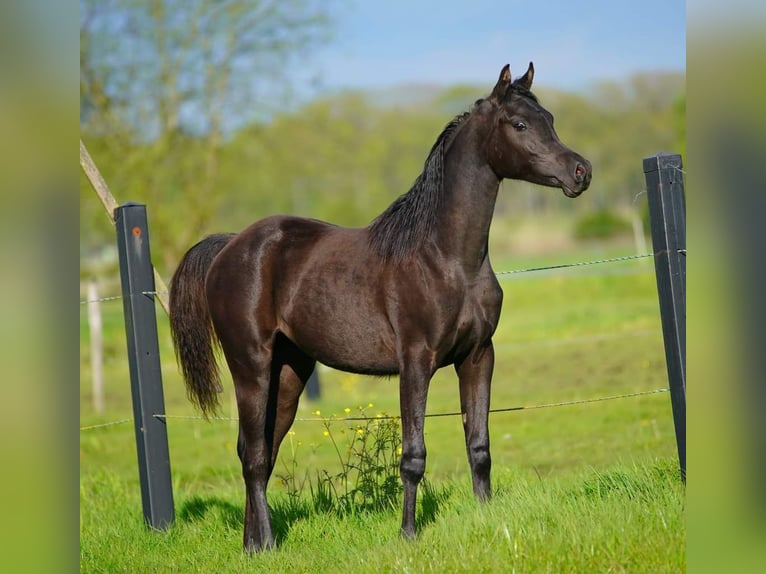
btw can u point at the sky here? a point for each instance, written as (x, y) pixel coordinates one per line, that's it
(572, 44)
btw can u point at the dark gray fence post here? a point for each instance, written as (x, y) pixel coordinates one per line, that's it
(667, 213)
(137, 278)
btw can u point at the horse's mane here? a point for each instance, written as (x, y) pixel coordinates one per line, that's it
(410, 219)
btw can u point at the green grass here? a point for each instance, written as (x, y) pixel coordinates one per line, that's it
(579, 488)
(629, 519)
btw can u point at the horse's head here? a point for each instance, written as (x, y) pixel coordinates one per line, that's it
(522, 142)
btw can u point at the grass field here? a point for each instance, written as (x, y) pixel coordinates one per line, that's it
(581, 488)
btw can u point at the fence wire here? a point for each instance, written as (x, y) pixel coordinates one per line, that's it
(103, 425)
(396, 417)
(577, 264)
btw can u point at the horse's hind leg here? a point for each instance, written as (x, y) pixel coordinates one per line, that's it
(251, 385)
(475, 376)
(266, 412)
(292, 369)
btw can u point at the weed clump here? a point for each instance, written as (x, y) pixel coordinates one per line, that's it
(368, 450)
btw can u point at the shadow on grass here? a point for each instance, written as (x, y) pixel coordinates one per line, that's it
(283, 514)
(286, 512)
(431, 499)
(199, 508)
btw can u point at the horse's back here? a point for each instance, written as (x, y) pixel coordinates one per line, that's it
(283, 232)
(289, 238)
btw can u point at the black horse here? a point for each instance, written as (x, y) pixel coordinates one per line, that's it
(410, 293)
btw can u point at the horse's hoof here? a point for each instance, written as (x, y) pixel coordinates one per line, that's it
(252, 547)
(408, 534)
(484, 497)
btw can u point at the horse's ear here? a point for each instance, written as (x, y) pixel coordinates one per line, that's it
(525, 81)
(498, 93)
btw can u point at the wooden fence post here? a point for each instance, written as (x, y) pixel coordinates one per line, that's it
(137, 276)
(95, 329)
(667, 212)
(110, 204)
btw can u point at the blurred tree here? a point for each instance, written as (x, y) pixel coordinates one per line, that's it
(163, 82)
(339, 158)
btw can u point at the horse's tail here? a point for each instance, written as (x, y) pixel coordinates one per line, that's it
(191, 327)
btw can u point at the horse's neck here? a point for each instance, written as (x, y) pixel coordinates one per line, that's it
(470, 191)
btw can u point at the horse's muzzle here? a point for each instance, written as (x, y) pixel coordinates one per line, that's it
(581, 176)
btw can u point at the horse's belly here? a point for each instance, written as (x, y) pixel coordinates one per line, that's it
(349, 343)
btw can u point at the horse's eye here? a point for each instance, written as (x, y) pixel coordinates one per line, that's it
(519, 126)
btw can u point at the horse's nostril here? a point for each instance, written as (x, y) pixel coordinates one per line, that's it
(579, 173)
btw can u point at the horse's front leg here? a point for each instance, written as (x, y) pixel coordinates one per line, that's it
(415, 375)
(475, 375)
